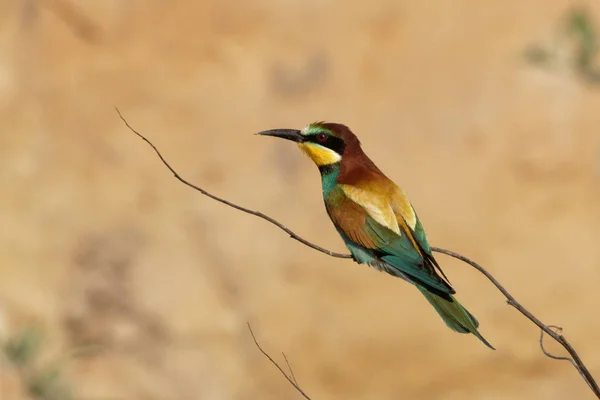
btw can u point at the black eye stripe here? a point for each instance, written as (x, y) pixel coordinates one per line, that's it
(331, 142)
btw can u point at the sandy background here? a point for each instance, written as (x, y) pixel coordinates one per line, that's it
(100, 244)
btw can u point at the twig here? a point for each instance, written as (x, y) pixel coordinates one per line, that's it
(290, 378)
(569, 359)
(548, 354)
(230, 204)
(289, 368)
(575, 359)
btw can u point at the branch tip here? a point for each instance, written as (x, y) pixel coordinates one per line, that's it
(290, 378)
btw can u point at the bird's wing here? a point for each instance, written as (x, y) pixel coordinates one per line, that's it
(349, 217)
(405, 211)
(383, 222)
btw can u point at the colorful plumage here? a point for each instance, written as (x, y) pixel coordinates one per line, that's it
(375, 218)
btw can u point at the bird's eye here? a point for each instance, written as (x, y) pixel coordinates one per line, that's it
(321, 137)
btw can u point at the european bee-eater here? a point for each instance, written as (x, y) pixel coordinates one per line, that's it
(375, 218)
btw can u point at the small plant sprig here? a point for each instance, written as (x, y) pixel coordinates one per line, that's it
(577, 28)
(41, 381)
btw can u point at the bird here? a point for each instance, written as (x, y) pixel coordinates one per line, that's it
(375, 218)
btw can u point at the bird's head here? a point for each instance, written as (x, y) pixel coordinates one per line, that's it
(325, 143)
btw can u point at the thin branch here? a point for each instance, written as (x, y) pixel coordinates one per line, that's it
(575, 359)
(289, 368)
(547, 353)
(569, 359)
(290, 378)
(233, 205)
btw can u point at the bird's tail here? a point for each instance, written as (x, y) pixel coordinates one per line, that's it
(454, 315)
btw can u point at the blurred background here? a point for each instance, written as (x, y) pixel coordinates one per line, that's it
(119, 282)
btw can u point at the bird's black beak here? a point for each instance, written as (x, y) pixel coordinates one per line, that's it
(290, 134)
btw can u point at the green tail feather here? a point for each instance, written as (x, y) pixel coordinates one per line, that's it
(454, 315)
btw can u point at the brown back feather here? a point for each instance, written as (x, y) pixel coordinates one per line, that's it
(356, 165)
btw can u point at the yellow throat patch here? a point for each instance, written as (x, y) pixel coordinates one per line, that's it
(319, 154)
